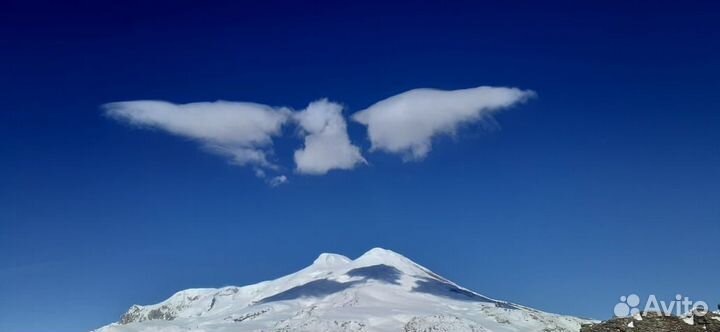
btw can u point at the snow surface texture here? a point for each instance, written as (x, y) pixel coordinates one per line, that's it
(381, 291)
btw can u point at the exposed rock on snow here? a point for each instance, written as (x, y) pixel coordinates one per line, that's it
(657, 323)
(442, 323)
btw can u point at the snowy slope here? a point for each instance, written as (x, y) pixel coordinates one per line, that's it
(381, 291)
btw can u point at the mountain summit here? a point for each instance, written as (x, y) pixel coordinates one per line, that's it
(380, 291)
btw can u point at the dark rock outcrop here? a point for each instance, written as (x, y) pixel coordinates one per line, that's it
(656, 323)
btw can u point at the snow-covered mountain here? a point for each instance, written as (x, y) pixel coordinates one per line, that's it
(380, 291)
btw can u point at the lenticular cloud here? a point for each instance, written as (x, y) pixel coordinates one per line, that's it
(406, 123)
(241, 131)
(403, 124)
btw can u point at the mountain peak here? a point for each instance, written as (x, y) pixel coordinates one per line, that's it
(329, 259)
(380, 256)
(379, 291)
(381, 252)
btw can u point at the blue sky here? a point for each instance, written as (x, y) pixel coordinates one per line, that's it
(606, 183)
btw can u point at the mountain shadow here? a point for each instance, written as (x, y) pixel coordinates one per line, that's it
(447, 290)
(381, 272)
(317, 288)
(325, 287)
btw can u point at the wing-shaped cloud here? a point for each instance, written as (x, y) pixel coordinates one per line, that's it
(327, 145)
(244, 132)
(241, 131)
(406, 123)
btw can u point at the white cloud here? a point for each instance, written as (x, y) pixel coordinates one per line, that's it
(259, 172)
(241, 131)
(407, 122)
(278, 180)
(327, 145)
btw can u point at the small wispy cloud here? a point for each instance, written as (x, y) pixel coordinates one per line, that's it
(278, 180)
(406, 123)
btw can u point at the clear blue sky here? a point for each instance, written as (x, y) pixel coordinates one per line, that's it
(607, 183)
